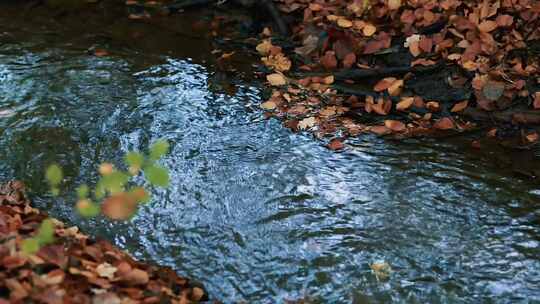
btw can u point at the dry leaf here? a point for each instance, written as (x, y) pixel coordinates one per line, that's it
(444, 123)
(336, 144)
(344, 23)
(369, 29)
(264, 47)
(307, 123)
(106, 270)
(268, 105)
(395, 125)
(276, 79)
(460, 106)
(405, 103)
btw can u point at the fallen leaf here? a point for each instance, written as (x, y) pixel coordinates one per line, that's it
(307, 123)
(395, 88)
(268, 105)
(382, 270)
(384, 84)
(264, 47)
(336, 144)
(460, 106)
(106, 270)
(493, 90)
(394, 4)
(369, 29)
(276, 79)
(395, 125)
(329, 60)
(492, 132)
(444, 123)
(379, 130)
(405, 103)
(344, 23)
(487, 26)
(536, 103)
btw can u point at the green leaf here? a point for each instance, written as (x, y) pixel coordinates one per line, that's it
(158, 149)
(134, 159)
(157, 176)
(100, 190)
(82, 191)
(115, 181)
(87, 209)
(46, 232)
(30, 246)
(54, 175)
(55, 191)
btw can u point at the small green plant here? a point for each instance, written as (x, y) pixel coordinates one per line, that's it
(119, 198)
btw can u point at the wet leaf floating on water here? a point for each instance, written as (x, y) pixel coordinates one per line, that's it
(336, 144)
(382, 270)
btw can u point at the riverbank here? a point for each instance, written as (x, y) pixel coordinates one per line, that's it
(76, 268)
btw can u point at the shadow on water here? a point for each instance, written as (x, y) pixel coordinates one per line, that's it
(255, 212)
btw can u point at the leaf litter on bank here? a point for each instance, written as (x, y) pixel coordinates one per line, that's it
(72, 268)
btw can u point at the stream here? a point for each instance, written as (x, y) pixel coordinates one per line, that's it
(255, 212)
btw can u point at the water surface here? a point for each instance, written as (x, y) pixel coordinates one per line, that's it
(256, 212)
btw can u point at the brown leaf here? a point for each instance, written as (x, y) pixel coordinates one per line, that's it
(395, 125)
(329, 60)
(395, 88)
(349, 60)
(276, 79)
(487, 26)
(269, 105)
(536, 103)
(394, 4)
(336, 144)
(380, 130)
(344, 23)
(405, 103)
(384, 84)
(264, 47)
(444, 123)
(136, 277)
(369, 29)
(504, 20)
(460, 106)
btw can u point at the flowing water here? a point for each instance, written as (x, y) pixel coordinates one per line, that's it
(255, 212)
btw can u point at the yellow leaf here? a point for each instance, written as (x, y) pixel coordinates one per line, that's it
(405, 103)
(344, 23)
(369, 29)
(394, 4)
(276, 79)
(307, 123)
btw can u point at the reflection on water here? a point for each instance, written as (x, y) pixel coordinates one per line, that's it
(258, 213)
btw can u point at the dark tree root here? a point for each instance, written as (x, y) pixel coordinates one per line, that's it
(514, 116)
(358, 74)
(267, 6)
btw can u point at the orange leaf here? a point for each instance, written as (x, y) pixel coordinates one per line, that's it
(119, 206)
(380, 130)
(395, 88)
(405, 103)
(460, 106)
(384, 84)
(492, 132)
(504, 20)
(444, 123)
(536, 103)
(487, 26)
(329, 60)
(336, 144)
(395, 125)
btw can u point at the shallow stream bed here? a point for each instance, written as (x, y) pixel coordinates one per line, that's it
(255, 212)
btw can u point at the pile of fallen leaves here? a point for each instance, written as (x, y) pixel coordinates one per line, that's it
(404, 67)
(75, 268)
